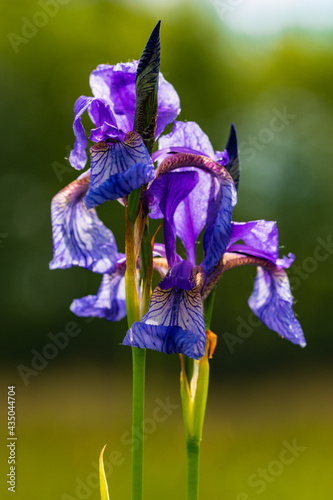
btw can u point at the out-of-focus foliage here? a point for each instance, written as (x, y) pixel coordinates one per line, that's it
(221, 78)
(65, 416)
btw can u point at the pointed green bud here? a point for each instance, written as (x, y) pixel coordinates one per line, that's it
(146, 83)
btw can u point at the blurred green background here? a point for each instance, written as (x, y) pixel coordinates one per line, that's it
(265, 392)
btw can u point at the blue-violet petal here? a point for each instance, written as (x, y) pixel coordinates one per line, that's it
(173, 324)
(79, 237)
(117, 169)
(110, 301)
(272, 302)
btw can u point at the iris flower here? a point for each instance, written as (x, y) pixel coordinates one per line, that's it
(120, 163)
(193, 189)
(192, 192)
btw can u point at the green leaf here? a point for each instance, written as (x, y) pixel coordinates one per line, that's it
(146, 89)
(102, 479)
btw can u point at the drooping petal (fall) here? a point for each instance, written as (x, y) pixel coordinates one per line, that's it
(117, 169)
(272, 302)
(271, 299)
(79, 237)
(174, 322)
(110, 300)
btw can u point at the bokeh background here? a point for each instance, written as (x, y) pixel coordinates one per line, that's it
(230, 61)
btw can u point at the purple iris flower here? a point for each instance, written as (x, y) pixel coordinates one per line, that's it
(120, 163)
(195, 189)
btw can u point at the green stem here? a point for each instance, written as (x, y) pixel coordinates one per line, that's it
(193, 454)
(139, 358)
(194, 390)
(194, 382)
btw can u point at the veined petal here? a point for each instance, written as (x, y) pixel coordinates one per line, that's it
(116, 84)
(272, 302)
(110, 301)
(117, 169)
(173, 324)
(271, 299)
(170, 189)
(79, 237)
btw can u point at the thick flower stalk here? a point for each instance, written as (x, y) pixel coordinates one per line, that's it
(193, 190)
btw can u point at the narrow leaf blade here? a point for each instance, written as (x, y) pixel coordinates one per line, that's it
(102, 479)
